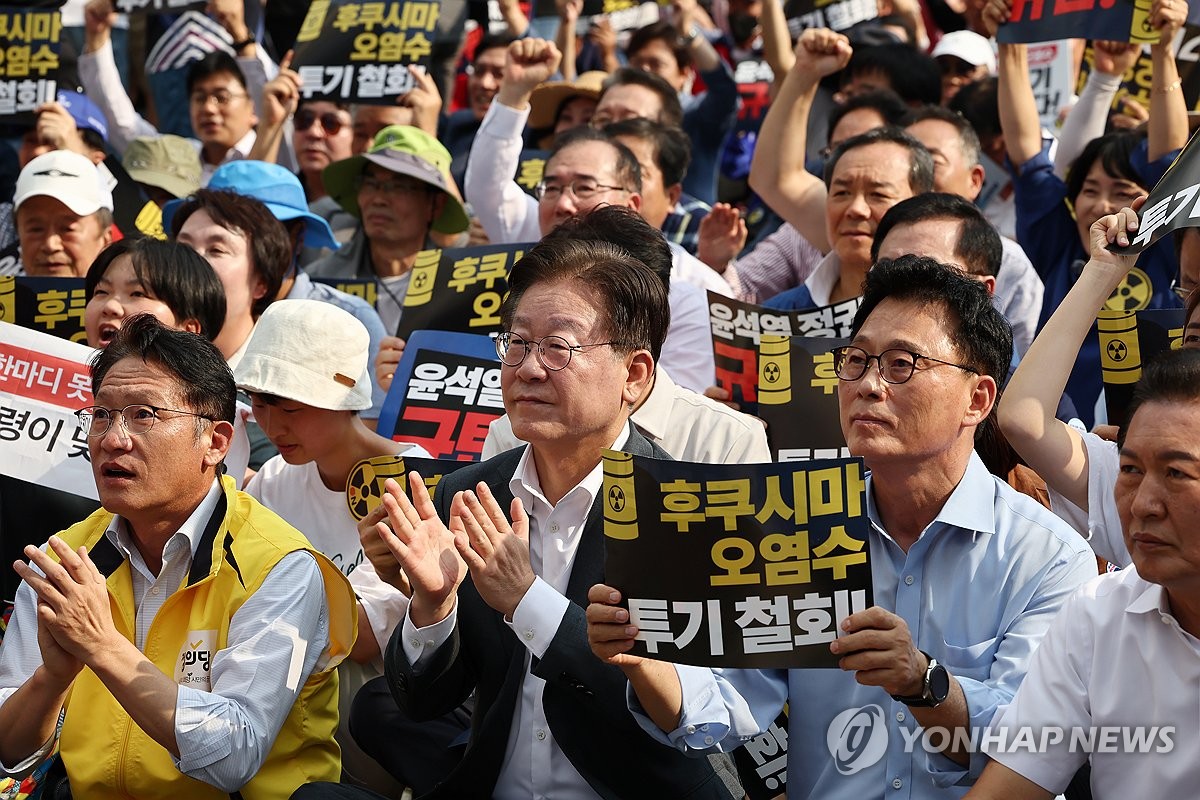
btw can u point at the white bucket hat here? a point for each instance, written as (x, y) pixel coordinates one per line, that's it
(309, 352)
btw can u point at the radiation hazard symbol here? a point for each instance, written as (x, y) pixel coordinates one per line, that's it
(1133, 294)
(364, 489)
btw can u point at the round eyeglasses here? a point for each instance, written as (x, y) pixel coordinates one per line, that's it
(895, 365)
(580, 189)
(135, 419)
(553, 352)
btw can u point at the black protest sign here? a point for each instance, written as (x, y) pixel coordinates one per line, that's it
(363, 288)
(736, 327)
(530, 169)
(1104, 20)
(444, 395)
(29, 61)
(458, 289)
(158, 6)
(762, 761)
(364, 488)
(836, 14)
(1129, 341)
(51, 305)
(797, 397)
(753, 78)
(766, 560)
(1173, 203)
(360, 51)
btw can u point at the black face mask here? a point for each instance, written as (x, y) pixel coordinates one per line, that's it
(742, 25)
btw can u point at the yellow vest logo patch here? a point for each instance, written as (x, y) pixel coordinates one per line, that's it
(194, 666)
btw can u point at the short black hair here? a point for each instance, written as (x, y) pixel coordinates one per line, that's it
(665, 32)
(979, 104)
(920, 173)
(266, 237)
(913, 75)
(1171, 377)
(968, 140)
(980, 332)
(885, 102)
(979, 247)
(671, 147)
(204, 379)
(174, 273)
(492, 41)
(627, 170)
(625, 228)
(1114, 153)
(214, 63)
(632, 296)
(672, 111)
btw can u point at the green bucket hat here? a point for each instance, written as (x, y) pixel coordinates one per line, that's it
(405, 150)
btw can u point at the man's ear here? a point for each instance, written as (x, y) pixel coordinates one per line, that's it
(989, 283)
(983, 399)
(435, 208)
(674, 192)
(218, 445)
(635, 201)
(978, 175)
(640, 377)
(190, 325)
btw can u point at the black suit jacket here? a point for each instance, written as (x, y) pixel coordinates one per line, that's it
(584, 699)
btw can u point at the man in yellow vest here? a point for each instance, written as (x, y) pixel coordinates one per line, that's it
(189, 634)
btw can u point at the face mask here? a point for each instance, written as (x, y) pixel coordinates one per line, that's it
(742, 25)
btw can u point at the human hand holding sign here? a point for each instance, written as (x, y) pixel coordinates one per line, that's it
(496, 553)
(877, 646)
(424, 549)
(610, 631)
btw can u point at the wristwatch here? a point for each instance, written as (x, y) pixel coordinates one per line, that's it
(934, 690)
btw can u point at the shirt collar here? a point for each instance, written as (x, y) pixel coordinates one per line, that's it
(823, 278)
(526, 487)
(971, 506)
(192, 528)
(1152, 597)
(653, 417)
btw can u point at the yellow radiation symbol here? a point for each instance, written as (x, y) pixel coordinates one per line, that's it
(364, 489)
(1133, 293)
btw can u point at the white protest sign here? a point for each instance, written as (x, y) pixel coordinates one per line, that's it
(43, 381)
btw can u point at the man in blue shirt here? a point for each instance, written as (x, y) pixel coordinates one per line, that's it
(967, 573)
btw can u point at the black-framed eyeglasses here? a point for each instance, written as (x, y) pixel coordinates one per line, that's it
(553, 352)
(895, 365)
(580, 188)
(136, 418)
(331, 123)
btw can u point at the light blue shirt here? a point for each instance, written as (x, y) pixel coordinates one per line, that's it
(977, 590)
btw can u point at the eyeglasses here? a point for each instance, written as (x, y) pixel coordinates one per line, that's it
(136, 419)
(392, 185)
(895, 365)
(553, 352)
(580, 188)
(222, 97)
(331, 123)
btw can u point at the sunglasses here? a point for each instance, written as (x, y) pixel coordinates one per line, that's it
(330, 121)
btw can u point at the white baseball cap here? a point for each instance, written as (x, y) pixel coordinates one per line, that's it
(969, 46)
(310, 352)
(68, 177)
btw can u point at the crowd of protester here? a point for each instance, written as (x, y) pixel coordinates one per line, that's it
(465, 643)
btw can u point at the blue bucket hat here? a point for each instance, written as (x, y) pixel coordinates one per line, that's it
(273, 186)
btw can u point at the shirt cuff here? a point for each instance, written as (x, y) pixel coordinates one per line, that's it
(420, 643)
(201, 734)
(703, 719)
(538, 616)
(26, 766)
(503, 122)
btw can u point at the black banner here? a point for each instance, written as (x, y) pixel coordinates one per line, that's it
(1106, 20)
(766, 560)
(836, 14)
(797, 397)
(359, 52)
(459, 289)
(1173, 203)
(50, 305)
(158, 6)
(1127, 342)
(29, 61)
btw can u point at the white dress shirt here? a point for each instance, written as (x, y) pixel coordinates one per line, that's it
(534, 765)
(1114, 656)
(224, 733)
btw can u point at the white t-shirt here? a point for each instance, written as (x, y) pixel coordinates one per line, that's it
(297, 493)
(1100, 524)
